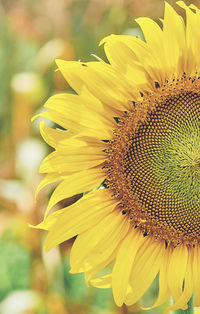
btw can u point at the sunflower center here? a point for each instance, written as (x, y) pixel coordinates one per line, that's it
(154, 163)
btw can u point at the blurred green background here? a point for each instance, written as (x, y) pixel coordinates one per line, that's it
(32, 34)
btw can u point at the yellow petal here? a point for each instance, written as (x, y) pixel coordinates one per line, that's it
(174, 36)
(164, 293)
(97, 76)
(102, 282)
(96, 245)
(56, 117)
(120, 55)
(48, 179)
(181, 303)
(123, 265)
(144, 63)
(63, 140)
(177, 270)
(152, 32)
(192, 39)
(146, 266)
(196, 275)
(90, 273)
(78, 217)
(76, 183)
(154, 38)
(47, 223)
(75, 158)
(56, 137)
(95, 270)
(75, 109)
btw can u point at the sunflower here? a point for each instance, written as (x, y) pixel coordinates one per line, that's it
(131, 141)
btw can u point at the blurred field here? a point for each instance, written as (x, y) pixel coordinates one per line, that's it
(32, 34)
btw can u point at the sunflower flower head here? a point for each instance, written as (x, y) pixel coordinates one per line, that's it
(132, 129)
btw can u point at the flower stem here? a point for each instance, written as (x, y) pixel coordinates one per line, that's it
(190, 309)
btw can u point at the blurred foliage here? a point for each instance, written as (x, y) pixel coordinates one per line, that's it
(32, 34)
(15, 271)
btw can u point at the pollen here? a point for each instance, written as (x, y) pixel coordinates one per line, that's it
(154, 162)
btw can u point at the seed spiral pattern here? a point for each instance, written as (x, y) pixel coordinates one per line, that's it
(154, 163)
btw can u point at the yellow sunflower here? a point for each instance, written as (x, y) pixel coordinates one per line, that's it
(133, 143)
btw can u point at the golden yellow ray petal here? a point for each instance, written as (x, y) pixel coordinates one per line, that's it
(52, 136)
(57, 137)
(101, 263)
(95, 270)
(177, 270)
(164, 293)
(152, 32)
(154, 38)
(97, 76)
(174, 36)
(102, 282)
(75, 109)
(75, 128)
(181, 303)
(142, 52)
(93, 104)
(48, 179)
(78, 217)
(47, 223)
(123, 265)
(121, 56)
(145, 268)
(88, 141)
(196, 275)
(136, 45)
(68, 102)
(76, 183)
(192, 39)
(97, 244)
(59, 119)
(64, 140)
(75, 158)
